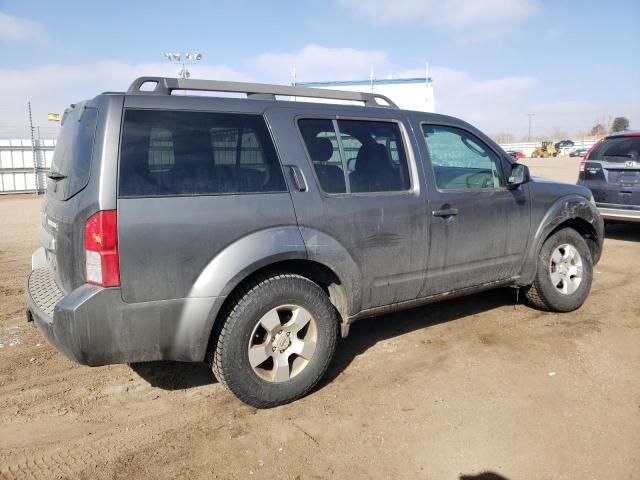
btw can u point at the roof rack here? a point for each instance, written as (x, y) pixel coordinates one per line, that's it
(262, 91)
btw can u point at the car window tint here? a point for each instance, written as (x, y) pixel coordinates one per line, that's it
(617, 149)
(460, 160)
(196, 153)
(370, 148)
(322, 145)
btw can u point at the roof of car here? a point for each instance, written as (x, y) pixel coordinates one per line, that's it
(625, 133)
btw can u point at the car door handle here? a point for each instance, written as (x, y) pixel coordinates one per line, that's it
(298, 178)
(445, 213)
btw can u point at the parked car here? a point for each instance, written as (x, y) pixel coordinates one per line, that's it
(579, 152)
(611, 169)
(251, 232)
(515, 154)
(563, 144)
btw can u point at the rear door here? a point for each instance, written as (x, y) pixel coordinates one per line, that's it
(190, 184)
(479, 228)
(63, 211)
(363, 192)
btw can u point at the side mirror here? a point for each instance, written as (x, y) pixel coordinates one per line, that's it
(519, 175)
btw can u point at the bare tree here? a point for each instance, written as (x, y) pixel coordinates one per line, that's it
(502, 137)
(598, 130)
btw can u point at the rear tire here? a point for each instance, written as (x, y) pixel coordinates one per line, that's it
(564, 273)
(277, 340)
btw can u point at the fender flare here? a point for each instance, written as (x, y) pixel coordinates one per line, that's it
(249, 254)
(566, 208)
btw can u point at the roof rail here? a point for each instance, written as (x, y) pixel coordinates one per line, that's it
(262, 91)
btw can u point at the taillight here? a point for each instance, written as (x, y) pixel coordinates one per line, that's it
(583, 162)
(101, 261)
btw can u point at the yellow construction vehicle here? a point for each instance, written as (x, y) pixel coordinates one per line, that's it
(546, 149)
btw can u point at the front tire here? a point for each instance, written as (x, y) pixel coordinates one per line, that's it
(564, 273)
(277, 340)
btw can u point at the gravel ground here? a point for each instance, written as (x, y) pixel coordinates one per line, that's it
(449, 391)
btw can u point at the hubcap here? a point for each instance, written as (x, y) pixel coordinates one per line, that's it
(282, 343)
(565, 269)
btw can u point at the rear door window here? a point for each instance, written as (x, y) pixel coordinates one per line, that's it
(375, 156)
(617, 149)
(166, 153)
(369, 155)
(71, 163)
(322, 145)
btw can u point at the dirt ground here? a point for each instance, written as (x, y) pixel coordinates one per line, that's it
(448, 391)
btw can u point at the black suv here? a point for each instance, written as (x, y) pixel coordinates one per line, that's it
(611, 169)
(252, 232)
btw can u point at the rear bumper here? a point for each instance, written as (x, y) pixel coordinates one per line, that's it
(94, 326)
(619, 213)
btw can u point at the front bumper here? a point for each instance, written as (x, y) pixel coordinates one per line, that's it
(93, 325)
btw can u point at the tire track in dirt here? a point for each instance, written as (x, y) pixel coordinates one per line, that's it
(81, 458)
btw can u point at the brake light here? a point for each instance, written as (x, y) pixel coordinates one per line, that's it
(101, 259)
(583, 162)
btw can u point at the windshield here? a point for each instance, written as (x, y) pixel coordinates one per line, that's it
(71, 164)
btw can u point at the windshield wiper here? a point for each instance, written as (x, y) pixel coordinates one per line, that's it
(619, 155)
(53, 175)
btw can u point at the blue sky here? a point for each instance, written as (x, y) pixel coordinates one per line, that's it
(571, 63)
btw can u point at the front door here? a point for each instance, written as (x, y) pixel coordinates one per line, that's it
(479, 227)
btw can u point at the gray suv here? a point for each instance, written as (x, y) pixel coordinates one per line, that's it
(251, 232)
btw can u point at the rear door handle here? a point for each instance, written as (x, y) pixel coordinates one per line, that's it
(445, 213)
(298, 178)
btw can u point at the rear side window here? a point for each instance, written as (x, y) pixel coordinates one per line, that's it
(196, 153)
(374, 156)
(617, 149)
(72, 156)
(322, 144)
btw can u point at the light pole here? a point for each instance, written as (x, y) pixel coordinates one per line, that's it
(183, 59)
(530, 116)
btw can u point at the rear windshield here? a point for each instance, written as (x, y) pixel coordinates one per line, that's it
(197, 153)
(72, 156)
(618, 149)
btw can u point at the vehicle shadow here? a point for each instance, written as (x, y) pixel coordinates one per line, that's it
(623, 231)
(484, 476)
(364, 334)
(367, 332)
(175, 375)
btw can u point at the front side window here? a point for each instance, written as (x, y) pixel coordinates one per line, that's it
(374, 155)
(460, 160)
(196, 153)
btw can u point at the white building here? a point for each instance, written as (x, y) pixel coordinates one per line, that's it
(408, 93)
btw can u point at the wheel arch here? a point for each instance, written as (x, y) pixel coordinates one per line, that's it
(573, 211)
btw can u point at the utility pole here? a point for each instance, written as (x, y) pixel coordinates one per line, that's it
(33, 149)
(530, 115)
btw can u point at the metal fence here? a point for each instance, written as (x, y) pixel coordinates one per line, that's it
(527, 148)
(24, 164)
